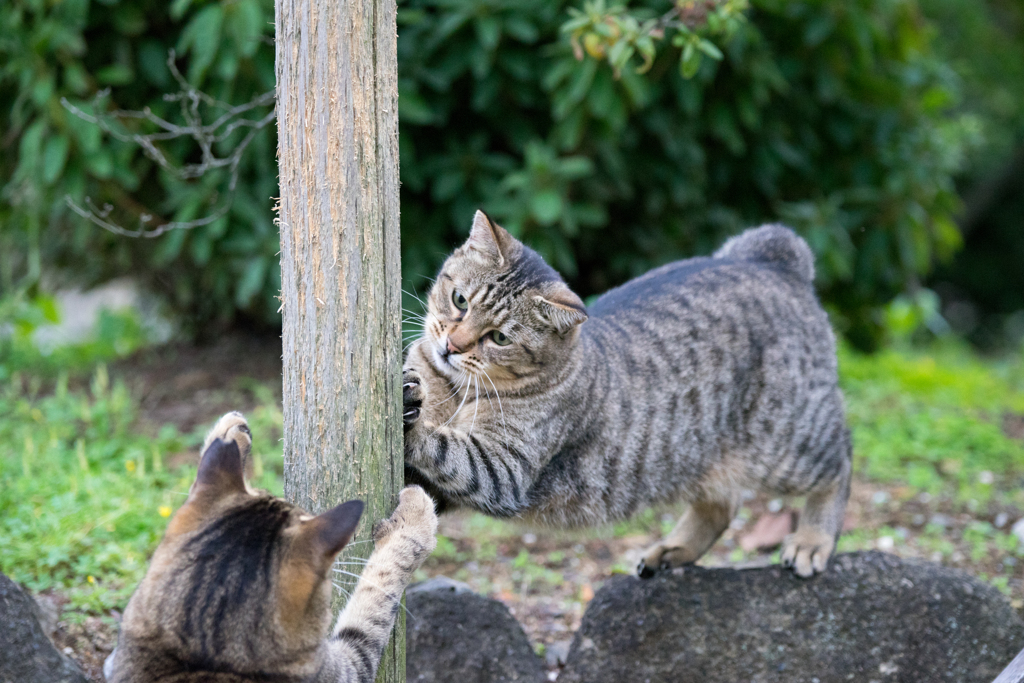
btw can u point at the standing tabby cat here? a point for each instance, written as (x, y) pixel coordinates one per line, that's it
(239, 590)
(692, 382)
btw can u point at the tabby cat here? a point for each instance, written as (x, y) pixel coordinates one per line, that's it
(239, 590)
(693, 382)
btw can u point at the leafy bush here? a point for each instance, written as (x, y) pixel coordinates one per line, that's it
(829, 115)
(49, 51)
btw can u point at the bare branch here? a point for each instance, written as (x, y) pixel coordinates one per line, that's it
(231, 118)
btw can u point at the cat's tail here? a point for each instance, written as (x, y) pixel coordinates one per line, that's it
(773, 244)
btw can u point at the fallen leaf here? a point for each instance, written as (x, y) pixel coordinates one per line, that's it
(768, 531)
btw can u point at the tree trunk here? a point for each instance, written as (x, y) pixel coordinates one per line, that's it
(337, 108)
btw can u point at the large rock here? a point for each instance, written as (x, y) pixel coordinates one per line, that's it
(870, 617)
(26, 654)
(456, 635)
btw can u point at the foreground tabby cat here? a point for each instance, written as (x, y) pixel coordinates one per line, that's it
(692, 382)
(239, 590)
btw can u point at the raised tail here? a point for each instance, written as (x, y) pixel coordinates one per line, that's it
(774, 245)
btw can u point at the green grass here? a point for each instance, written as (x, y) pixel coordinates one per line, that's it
(86, 492)
(933, 420)
(84, 495)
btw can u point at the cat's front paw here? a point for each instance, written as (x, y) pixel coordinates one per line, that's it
(413, 521)
(413, 395)
(231, 427)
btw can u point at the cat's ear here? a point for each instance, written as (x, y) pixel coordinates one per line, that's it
(220, 471)
(327, 534)
(220, 474)
(561, 308)
(489, 241)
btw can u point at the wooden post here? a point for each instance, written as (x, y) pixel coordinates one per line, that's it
(337, 109)
(1014, 671)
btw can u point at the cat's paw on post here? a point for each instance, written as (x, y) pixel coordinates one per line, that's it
(231, 427)
(412, 397)
(413, 520)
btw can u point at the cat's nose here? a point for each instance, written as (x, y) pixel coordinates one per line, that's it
(452, 348)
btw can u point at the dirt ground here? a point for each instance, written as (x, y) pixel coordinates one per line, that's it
(546, 578)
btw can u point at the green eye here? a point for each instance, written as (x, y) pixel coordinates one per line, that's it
(500, 339)
(460, 301)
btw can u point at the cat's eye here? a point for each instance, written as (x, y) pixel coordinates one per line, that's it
(461, 302)
(500, 339)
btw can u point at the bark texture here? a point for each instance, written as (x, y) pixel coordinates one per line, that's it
(337, 108)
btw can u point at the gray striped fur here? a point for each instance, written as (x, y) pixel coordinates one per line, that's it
(690, 383)
(239, 590)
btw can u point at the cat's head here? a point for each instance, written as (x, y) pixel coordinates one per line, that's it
(240, 584)
(498, 310)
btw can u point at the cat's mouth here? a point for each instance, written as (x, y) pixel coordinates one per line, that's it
(444, 360)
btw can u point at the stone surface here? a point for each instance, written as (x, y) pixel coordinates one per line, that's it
(26, 654)
(454, 635)
(870, 617)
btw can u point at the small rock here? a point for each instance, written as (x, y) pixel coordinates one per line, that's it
(1000, 521)
(529, 538)
(986, 478)
(440, 583)
(1018, 529)
(454, 634)
(870, 617)
(939, 520)
(775, 505)
(886, 543)
(27, 655)
(880, 497)
(557, 653)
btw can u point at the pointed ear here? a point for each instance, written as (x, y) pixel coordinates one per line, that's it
(561, 308)
(327, 534)
(488, 240)
(220, 471)
(220, 474)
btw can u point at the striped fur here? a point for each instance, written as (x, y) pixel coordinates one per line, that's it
(239, 589)
(692, 382)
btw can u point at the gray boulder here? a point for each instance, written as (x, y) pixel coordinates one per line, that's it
(870, 617)
(26, 654)
(453, 634)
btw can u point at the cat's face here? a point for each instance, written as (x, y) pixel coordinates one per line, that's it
(240, 583)
(498, 312)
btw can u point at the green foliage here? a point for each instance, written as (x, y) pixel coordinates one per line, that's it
(73, 48)
(116, 335)
(828, 115)
(614, 34)
(934, 420)
(85, 494)
(984, 43)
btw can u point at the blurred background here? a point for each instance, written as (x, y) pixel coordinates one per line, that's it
(139, 273)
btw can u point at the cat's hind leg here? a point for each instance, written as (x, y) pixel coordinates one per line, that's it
(697, 530)
(807, 550)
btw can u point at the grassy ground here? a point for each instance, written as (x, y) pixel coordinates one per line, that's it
(92, 464)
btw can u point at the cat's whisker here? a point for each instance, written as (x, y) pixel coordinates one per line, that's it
(415, 296)
(501, 409)
(370, 583)
(455, 414)
(476, 402)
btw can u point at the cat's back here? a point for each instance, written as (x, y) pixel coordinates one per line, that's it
(770, 262)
